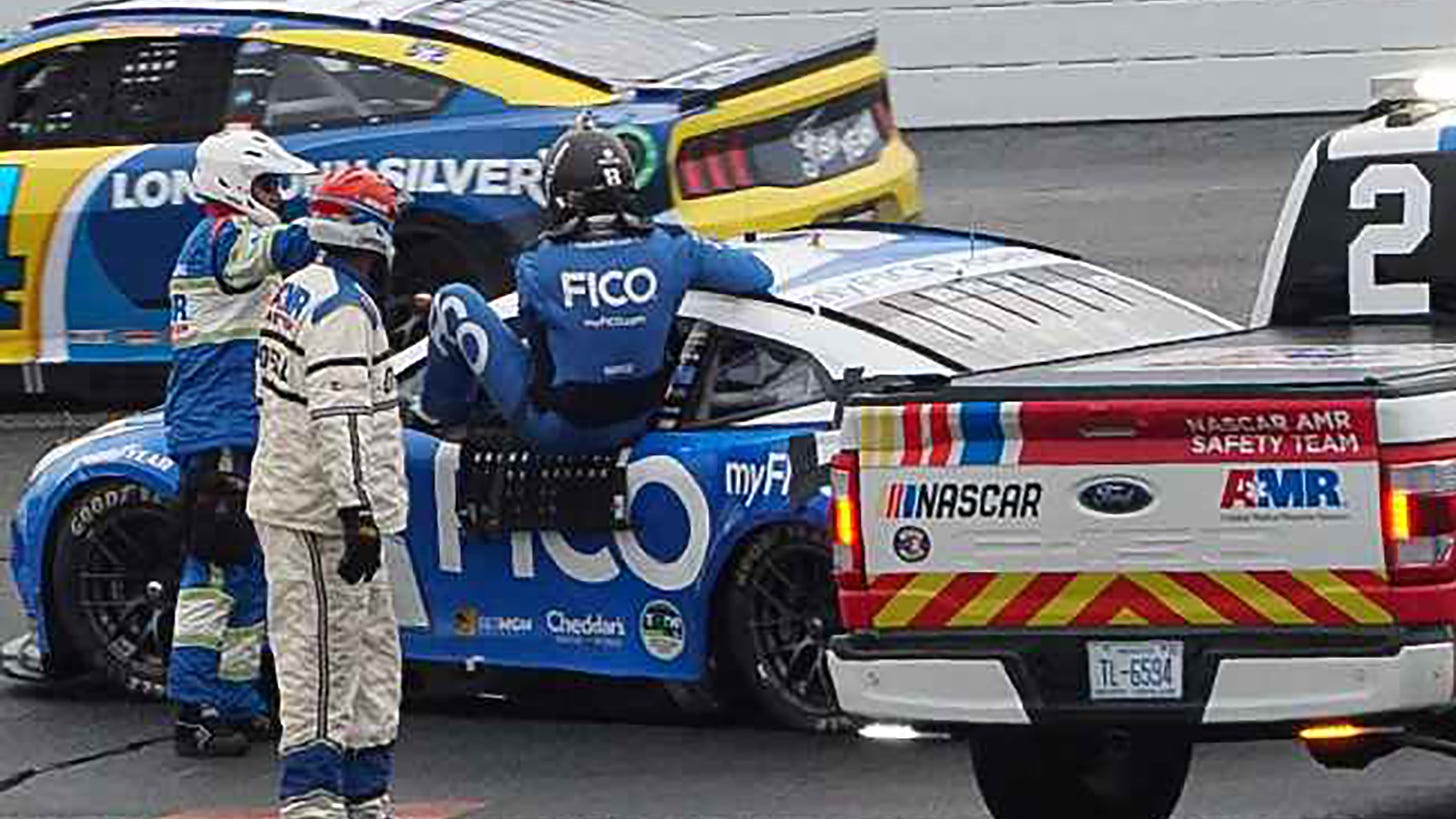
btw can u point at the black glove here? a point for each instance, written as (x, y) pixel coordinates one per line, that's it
(361, 545)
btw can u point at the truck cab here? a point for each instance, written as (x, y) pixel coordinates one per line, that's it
(1088, 565)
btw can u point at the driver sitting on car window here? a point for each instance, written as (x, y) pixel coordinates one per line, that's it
(598, 296)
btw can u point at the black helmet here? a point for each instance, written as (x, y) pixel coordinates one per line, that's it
(589, 172)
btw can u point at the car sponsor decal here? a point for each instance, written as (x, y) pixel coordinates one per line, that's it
(663, 630)
(941, 500)
(598, 563)
(586, 629)
(1282, 488)
(452, 176)
(466, 622)
(427, 52)
(752, 481)
(505, 625)
(912, 544)
(1057, 600)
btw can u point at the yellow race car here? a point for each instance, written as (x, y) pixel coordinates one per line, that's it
(101, 106)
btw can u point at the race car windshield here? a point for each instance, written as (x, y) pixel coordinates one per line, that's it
(590, 37)
(1032, 314)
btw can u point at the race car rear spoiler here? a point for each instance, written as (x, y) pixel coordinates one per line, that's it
(751, 71)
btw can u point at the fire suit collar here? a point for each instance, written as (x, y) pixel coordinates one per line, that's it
(342, 268)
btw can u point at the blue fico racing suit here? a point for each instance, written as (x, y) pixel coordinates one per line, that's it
(597, 313)
(227, 270)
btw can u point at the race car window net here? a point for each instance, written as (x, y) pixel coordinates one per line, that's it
(116, 92)
(283, 89)
(792, 150)
(749, 376)
(1030, 315)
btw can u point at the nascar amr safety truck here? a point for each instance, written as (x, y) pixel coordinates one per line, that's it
(1089, 565)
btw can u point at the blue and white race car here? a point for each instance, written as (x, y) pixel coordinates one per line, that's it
(722, 576)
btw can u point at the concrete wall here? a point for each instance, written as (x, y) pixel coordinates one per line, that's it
(966, 62)
(14, 13)
(963, 62)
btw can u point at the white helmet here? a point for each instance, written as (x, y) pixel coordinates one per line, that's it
(228, 163)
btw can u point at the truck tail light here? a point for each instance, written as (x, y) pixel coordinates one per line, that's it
(1419, 517)
(845, 536)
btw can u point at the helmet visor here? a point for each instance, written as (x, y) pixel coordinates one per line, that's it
(268, 191)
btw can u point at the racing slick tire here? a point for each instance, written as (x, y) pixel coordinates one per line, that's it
(115, 562)
(778, 615)
(435, 251)
(1111, 774)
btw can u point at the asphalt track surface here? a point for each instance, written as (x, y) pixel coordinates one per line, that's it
(1189, 206)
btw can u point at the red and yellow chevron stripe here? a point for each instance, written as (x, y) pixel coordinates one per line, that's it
(1064, 599)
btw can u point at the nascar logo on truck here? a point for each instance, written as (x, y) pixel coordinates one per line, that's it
(960, 501)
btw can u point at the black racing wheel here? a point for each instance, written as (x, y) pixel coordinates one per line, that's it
(115, 565)
(778, 612)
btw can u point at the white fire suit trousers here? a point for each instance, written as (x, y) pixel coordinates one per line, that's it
(336, 648)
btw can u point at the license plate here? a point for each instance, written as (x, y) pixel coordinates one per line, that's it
(1135, 671)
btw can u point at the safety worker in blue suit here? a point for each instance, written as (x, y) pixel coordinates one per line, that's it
(598, 296)
(229, 267)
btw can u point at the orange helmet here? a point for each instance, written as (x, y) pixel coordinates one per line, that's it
(356, 208)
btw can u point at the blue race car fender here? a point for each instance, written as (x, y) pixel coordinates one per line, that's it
(632, 603)
(130, 450)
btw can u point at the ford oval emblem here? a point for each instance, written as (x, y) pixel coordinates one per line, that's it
(1116, 496)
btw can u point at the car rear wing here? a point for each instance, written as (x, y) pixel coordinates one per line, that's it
(751, 71)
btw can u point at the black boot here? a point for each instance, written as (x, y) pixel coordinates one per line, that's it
(200, 732)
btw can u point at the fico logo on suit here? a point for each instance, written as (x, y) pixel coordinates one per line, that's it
(613, 288)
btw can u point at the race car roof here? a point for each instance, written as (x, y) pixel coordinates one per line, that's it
(596, 39)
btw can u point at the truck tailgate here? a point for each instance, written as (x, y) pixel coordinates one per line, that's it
(1184, 512)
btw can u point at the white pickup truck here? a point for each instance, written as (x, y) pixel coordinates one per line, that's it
(1089, 565)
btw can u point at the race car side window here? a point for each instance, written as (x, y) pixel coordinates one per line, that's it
(116, 92)
(748, 376)
(285, 88)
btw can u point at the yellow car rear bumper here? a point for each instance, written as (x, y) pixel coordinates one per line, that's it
(888, 190)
